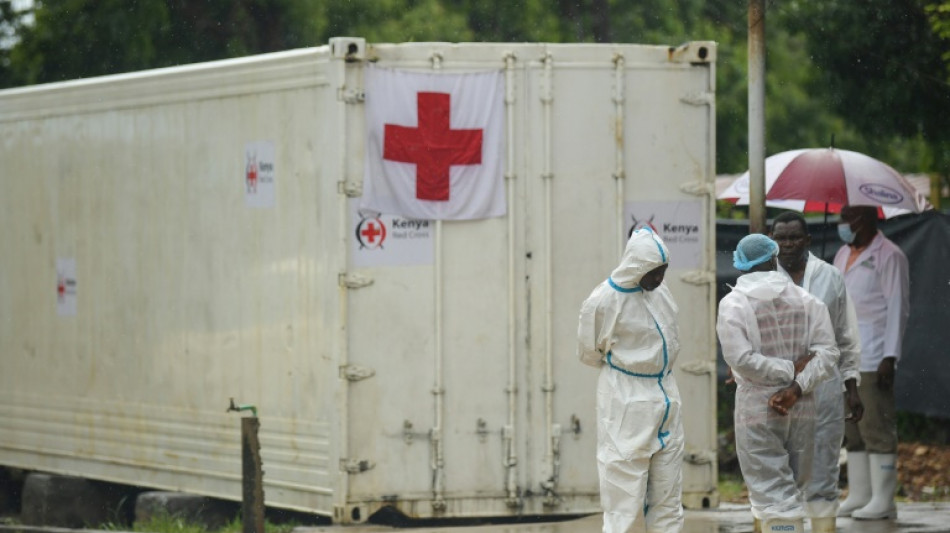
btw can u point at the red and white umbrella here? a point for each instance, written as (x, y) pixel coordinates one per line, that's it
(825, 179)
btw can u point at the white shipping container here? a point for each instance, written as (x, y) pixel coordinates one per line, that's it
(178, 237)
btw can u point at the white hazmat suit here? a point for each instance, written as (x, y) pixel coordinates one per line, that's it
(631, 335)
(826, 283)
(765, 324)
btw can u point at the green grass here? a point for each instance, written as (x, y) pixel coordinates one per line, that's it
(166, 523)
(732, 488)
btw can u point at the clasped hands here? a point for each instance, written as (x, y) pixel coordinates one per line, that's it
(783, 400)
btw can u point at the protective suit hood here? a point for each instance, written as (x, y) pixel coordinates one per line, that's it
(645, 251)
(762, 285)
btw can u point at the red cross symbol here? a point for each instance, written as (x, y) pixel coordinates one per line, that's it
(252, 176)
(433, 146)
(371, 232)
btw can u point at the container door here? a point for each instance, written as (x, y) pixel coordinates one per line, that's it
(621, 135)
(475, 403)
(436, 329)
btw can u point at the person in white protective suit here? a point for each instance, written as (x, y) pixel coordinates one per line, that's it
(825, 282)
(779, 344)
(628, 329)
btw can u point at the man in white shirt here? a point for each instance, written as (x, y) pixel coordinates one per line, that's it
(826, 283)
(877, 277)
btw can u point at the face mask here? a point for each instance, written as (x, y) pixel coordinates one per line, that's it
(844, 231)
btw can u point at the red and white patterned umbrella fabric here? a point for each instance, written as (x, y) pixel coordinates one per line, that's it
(825, 179)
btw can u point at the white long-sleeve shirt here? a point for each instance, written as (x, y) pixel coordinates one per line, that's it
(826, 283)
(878, 282)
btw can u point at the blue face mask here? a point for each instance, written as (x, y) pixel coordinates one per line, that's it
(844, 231)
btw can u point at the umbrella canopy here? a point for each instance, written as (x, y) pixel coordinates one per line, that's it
(825, 179)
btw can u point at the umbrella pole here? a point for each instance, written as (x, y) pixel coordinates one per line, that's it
(824, 232)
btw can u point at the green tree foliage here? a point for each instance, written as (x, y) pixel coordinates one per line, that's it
(396, 21)
(507, 21)
(863, 72)
(879, 64)
(795, 118)
(938, 13)
(11, 27)
(81, 38)
(96, 38)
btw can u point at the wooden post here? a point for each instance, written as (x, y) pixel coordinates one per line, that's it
(252, 477)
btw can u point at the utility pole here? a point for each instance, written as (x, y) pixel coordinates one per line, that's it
(757, 116)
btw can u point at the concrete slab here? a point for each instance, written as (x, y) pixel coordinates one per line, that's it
(728, 518)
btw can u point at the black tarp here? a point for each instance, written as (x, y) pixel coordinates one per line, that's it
(923, 375)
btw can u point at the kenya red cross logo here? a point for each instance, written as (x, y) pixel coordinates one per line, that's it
(433, 146)
(370, 233)
(250, 174)
(60, 287)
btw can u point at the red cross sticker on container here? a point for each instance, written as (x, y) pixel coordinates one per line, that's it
(433, 146)
(371, 232)
(66, 286)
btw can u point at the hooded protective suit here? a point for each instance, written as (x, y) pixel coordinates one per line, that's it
(826, 283)
(631, 334)
(765, 324)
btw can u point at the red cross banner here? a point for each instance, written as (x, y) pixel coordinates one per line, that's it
(435, 144)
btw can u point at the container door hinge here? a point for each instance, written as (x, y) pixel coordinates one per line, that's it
(698, 368)
(699, 277)
(356, 373)
(350, 96)
(700, 457)
(697, 188)
(699, 99)
(351, 280)
(352, 189)
(356, 466)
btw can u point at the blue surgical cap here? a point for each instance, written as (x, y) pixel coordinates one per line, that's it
(753, 250)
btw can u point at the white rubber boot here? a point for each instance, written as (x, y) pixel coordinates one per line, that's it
(883, 482)
(823, 525)
(784, 525)
(859, 483)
